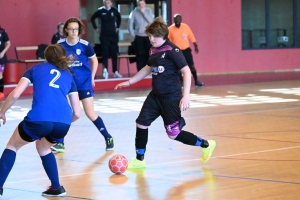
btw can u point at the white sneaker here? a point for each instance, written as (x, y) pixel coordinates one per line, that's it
(105, 73)
(117, 75)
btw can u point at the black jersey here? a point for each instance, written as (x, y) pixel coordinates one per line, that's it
(109, 20)
(166, 62)
(3, 39)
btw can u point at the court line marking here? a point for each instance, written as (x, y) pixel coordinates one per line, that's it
(230, 155)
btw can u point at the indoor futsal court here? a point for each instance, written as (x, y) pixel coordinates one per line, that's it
(256, 127)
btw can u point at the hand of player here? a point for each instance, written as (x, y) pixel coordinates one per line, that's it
(1, 55)
(98, 31)
(184, 103)
(93, 82)
(196, 49)
(2, 116)
(142, 10)
(123, 84)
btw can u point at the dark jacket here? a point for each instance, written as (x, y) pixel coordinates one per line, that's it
(109, 20)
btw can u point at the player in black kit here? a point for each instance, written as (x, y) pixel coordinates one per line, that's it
(167, 99)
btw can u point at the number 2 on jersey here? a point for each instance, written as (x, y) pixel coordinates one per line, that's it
(51, 84)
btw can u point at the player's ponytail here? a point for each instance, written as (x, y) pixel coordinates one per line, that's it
(56, 55)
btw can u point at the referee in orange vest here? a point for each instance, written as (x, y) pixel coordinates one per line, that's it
(180, 34)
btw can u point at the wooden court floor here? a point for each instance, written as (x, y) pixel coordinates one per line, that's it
(256, 127)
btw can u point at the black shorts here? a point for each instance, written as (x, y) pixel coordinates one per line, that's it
(154, 107)
(187, 53)
(54, 132)
(83, 94)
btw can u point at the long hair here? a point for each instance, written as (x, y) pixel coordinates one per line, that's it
(75, 20)
(56, 55)
(158, 28)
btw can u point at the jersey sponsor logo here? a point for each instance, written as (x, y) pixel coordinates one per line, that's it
(157, 69)
(163, 56)
(78, 51)
(161, 69)
(76, 64)
(176, 49)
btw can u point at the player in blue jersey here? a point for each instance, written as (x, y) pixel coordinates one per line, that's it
(50, 117)
(84, 69)
(166, 63)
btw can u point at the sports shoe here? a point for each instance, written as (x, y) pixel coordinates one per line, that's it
(117, 75)
(136, 164)
(207, 152)
(199, 84)
(58, 148)
(59, 192)
(109, 144)
(1, 192)
(105, 73)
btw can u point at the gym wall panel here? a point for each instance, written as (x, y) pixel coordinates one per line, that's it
(217, 27)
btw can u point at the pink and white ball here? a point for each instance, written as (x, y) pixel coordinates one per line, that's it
(118, 164)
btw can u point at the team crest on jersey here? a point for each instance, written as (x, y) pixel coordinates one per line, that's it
(176, 49)
(184, 36)
(78, 51)
(161, 69)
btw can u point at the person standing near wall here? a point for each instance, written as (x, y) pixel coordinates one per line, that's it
(139, 18)
(109, 20)
(180, 34)
(59, 34)
(4, 46)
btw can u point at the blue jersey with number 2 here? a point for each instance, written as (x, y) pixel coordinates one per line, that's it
(51, 86)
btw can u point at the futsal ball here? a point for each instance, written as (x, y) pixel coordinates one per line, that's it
(118, 164)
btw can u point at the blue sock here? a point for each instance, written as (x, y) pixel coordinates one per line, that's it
(101, 127)
(50, 166)
(199, 141)
(6, 163)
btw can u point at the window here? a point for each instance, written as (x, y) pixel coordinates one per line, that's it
(270, 24)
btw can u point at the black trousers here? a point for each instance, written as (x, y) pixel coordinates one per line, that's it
(142, 46)
(110, 48)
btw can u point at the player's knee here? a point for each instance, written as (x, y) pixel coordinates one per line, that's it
(174, 129)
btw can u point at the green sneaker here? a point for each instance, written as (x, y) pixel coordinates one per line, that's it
(136, 164)
(207, 152)
(58, 148)
(109, 144)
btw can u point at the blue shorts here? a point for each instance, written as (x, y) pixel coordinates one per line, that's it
(54, 132)
(83, 94)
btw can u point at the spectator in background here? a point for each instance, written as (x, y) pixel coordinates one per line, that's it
(4, 46)
(109, 20)
(180, 34)
(59, 34)
(139, 18)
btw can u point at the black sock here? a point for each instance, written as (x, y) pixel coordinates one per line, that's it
(1, 85)
(190, 139)
(141, 139)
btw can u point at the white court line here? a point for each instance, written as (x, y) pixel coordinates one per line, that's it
(72, 175)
